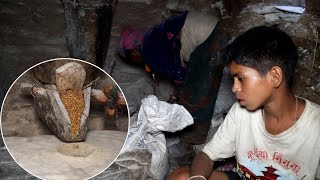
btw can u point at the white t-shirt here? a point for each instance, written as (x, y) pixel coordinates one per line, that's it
(292, 154)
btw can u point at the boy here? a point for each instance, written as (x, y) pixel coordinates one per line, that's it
(273, 133)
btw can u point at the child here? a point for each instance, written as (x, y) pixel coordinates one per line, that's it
(273, 133)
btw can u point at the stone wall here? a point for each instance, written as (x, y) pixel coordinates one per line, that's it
(303, 28)
(31, 31)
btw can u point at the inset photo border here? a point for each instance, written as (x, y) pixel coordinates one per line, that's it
(64, 118)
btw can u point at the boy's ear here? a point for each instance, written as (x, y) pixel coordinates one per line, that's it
(276, 76)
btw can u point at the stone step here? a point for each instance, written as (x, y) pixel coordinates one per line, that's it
(1, 143)
(9, 169)
(17, 177)
(5, 156)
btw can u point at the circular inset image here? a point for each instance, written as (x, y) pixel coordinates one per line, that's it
(64, 119)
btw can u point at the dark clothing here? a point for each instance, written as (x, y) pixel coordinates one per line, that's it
(160, 49)
(199, 93)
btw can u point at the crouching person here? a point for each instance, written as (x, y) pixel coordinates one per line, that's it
(271, 132)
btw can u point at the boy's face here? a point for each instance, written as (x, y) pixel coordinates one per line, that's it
(251, 88)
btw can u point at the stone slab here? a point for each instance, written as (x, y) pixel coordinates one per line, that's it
(39, 155)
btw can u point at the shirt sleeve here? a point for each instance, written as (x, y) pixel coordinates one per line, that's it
(223, 143)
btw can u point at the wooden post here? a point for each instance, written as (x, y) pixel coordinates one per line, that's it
(88, 26)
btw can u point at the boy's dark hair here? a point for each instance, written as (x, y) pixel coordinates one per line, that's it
(262, 48)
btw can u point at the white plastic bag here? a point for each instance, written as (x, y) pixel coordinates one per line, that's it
(153, 118)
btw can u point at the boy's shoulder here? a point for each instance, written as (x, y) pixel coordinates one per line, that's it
(237, 111)
(312, 110)
(314, 107)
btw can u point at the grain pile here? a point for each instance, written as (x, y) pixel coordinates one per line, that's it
(74, 103)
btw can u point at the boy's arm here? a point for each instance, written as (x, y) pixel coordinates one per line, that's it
(201, 165)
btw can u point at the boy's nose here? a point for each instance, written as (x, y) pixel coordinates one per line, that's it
(236, 88)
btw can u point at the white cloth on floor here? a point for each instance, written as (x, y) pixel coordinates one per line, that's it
(146, 133)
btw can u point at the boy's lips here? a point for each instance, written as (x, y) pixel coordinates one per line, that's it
(241, 101)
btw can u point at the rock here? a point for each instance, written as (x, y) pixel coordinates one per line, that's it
(225, 97)
(270, 18)
(305, 33)
(1, 143)
(130, 165)
(313, 6)
(137, 1)
(9, 169)
(9, 132)
(262, 9)
(45, 72)
(25, 88)
(317, 89)
(292, 18)
(70, 76)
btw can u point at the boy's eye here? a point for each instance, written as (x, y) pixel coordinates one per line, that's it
(240, 79)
